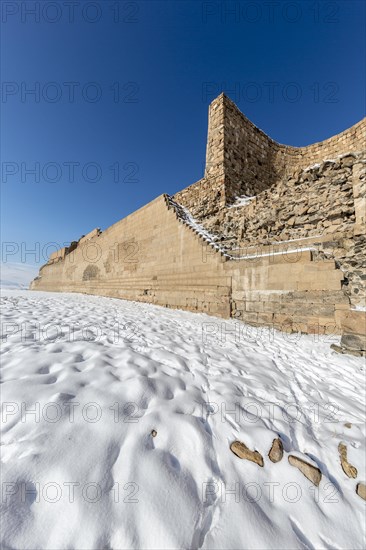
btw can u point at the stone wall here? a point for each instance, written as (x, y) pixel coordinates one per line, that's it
(254, 162)
(205, 198)
(297, 193)
(243, 160)
(156, 256)
(292, 257)
(313, 201)
(317, 202)
(148, 256)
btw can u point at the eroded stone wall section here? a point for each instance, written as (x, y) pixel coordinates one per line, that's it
(242, 160)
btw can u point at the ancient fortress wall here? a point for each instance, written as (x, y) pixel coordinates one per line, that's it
(155, 256)
(292, 257)
(255, 162)
(243, 160)
(148, 256)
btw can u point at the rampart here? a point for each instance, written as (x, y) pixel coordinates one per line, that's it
(272, 235)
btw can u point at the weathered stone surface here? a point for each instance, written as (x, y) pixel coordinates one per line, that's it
(361, 490)
(348, 350)
(276, 452)
(353, 342)
(95, 233)
(348, 469)
(242, 451)
(353, 322)
(353, 325)
(312, 473)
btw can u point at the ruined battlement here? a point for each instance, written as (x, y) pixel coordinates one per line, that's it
(242, 160)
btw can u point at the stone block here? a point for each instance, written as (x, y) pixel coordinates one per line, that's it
(352, 321)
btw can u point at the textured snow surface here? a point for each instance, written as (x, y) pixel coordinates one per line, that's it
(84, 472)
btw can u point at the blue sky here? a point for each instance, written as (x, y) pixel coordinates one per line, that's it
(119, 112)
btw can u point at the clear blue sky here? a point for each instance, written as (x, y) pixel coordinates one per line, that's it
(296, 69)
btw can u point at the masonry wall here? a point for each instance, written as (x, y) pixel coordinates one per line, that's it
(315, 215)
(148, 256)
(254, 162)
(243, 160)
(325, 202)
(153, 256)
(205, 198)
(289, 290)
(297, 193)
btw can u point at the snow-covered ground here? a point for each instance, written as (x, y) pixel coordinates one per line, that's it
(86, 379)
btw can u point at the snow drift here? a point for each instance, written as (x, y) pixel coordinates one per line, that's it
(86, 380)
